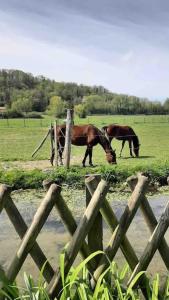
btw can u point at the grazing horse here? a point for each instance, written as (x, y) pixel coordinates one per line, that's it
(123, 133)
(84, 135)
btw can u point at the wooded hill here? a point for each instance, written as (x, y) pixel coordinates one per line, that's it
(22, 92)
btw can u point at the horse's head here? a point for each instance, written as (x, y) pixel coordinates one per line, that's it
(136, 151)
(111, 156)
(136, 146)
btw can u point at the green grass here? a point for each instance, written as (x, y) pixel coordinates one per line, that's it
(76, 285)
(18, 142)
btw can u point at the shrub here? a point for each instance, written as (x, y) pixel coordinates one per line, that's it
(81, 111)
(33, 115)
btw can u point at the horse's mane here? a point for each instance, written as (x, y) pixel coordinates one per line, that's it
(104, 142)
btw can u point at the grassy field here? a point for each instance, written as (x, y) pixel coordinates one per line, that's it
(18, 142)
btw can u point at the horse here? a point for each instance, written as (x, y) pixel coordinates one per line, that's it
(83, 135)
(123, 133)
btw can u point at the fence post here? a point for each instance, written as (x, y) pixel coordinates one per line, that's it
(153, 243)
(150, 220)
(55, 144)
(80, 234)
(33, 231)
(69, 123)
(95, 235)
(112, 222)
(122, 227)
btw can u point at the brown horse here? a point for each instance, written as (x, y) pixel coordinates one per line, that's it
(84, 135)
(123, 133)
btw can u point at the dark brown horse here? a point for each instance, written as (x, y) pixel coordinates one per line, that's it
(123, 133)
(84, 135)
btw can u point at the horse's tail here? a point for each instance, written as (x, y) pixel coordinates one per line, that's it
(41, 143)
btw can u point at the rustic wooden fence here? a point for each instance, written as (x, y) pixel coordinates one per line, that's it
(90, 226)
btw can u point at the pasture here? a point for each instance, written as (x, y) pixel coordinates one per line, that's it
(18, 139)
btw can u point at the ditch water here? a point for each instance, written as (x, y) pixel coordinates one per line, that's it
(53, 236)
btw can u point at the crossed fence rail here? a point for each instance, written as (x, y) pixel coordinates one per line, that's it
(90, 225)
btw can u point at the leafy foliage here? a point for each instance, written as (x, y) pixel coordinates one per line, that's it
(111, 285)
(22, 92)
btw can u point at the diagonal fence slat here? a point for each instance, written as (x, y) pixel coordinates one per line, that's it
(95, 235)
(151, 221)
(153, 243)
(112, 222)
(33, 231)
(97, 192)
(71, 225)
(122, 227)
(21, 228)
(79, 235)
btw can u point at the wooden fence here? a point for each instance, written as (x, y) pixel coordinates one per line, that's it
(90, 226)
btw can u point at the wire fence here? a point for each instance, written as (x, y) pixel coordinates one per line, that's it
(45, 122)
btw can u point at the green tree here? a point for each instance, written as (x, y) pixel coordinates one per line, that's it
(22, 105)
(56, 107)
(81, 110)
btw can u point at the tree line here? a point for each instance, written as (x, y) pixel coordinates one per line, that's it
(22, 93)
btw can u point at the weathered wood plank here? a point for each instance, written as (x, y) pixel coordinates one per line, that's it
(153, 243)
(67, 151)
(55, 144)
(21, 228)
(95, 235)
(4, 193)
(111, 220)
(122, 227)
(33, 231)
(150, 220)
(79, 235)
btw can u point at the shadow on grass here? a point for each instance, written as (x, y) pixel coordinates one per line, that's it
(140, 157)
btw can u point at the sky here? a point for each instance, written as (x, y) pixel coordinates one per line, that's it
(120, 44)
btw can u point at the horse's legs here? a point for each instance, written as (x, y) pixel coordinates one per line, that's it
(123, 142)
(60, 152)
(86, 155)
(130, 147)
(90, 156)
(52, 156)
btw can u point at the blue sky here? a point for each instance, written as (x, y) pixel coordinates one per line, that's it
(121, 44)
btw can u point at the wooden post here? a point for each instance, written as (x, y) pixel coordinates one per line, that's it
(36, 252)
(33, 231)
(55, 144)
(95, 235)
(21, 228)
(111, 220)
(80, 234)
(70, 224)
(123, 226)
(153, 243)
(69, 123)
(150, 220)
(52, 151)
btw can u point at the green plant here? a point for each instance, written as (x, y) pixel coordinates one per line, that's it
(76, 285)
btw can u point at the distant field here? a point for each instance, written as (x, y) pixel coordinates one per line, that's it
(18, 139)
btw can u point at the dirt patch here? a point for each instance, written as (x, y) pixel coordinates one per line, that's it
(34, 164)
(27, 165)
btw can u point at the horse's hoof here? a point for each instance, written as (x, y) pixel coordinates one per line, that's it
(91, 165)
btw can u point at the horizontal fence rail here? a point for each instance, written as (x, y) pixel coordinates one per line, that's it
(86, 236)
